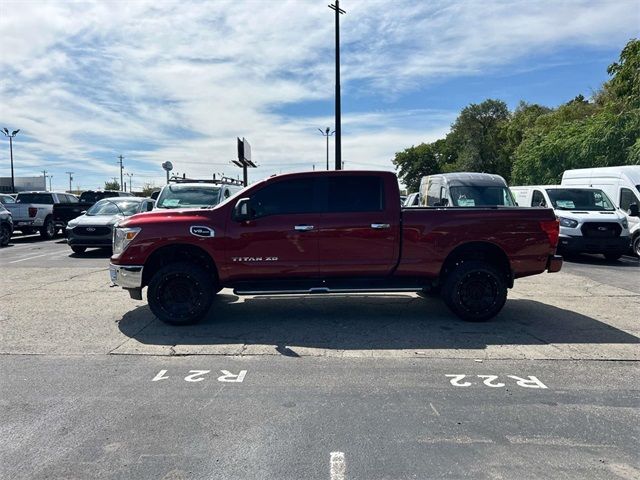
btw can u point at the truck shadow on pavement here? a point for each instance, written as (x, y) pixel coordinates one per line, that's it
(362, 322)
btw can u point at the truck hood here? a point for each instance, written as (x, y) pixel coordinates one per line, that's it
(591, 216)
(172, 216)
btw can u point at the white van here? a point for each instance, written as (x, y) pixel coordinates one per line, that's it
(465, 189)
(589, 221)
(621, 184)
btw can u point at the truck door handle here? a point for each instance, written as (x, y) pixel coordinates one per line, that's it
(380, 226)
(303, 228)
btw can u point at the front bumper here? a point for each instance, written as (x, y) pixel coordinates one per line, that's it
(615, 245)
(126, 276)
(75, 240)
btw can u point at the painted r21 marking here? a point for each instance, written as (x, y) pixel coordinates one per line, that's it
(199, 375)
(459, 380)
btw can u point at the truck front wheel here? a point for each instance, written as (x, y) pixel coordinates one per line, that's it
(180, 293)
(475, 291)
(48, 230)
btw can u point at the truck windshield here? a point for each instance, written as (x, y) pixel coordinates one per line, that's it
(481, 196)
(188, 196)
(42, 198)
(579, 199)
(113, 206)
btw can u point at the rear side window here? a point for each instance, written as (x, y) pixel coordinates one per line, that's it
(42, 198)
(355, 193)
(286, 197)
(433, 194)
(626, 198)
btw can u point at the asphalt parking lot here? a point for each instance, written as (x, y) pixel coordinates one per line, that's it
(344, 387)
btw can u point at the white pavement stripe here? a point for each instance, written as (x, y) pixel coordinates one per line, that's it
(38, 256)
(338, 466)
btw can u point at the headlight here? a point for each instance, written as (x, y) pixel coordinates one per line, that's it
(625, 224)
(122, 237)
(568, 222)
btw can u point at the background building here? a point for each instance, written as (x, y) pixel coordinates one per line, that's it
(22, 184)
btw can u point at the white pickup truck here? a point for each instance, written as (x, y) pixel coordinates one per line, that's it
(34, 211)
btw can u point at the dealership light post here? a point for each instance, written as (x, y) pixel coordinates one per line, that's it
(6, 133)
(336, 7)
(327, 133)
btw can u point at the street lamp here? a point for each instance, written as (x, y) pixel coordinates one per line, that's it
(130, 175)
(325, 133)
(6, 133)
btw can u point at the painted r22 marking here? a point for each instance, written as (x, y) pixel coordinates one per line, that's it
(458, 380)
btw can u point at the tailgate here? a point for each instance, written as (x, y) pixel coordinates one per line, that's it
(63, 212)
(18, 211)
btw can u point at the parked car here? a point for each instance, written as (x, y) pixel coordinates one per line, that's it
(412, 200)
(66, 211)
(589, 221)
(6, 226)
(95, 227)
(330, 232)
(194, 194)
(622, 186)
(465, 190)
(34, 211)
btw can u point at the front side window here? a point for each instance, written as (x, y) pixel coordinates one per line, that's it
(579, 199)
(538, 199)
(626, 198)
(355, 193)
(480, 196)
(285, 197)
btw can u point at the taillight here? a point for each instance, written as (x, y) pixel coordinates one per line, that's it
(552, 229)
(33, 211)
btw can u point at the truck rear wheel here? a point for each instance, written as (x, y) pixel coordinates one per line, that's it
(180, 293)
(475, 291)
(48, 230)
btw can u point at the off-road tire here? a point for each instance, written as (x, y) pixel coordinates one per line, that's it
(181, 293)
(48, 230)
(475, 290)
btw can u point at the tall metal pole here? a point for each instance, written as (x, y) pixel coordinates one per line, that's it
(50, 177)
(13, 185)
(44, 175)
(121, 167)
(327, 149)
(338, 142)
(70, 178)
(5, 132)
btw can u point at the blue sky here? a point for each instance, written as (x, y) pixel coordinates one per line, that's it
(157, 81)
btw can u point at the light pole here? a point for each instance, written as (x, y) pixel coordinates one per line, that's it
(50, 177)
(6, 133)
(130, 175)
(338, 140)
(70, 179)
(327, 133)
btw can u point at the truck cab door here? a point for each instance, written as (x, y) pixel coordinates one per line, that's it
(360, 226)
(279, 239)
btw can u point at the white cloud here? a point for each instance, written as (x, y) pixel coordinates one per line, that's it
(179, 80)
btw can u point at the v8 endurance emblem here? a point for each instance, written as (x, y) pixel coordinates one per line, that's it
(201, 231)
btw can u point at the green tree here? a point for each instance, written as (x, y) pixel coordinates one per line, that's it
(148, 189)
(112, 185)
(625, 81)
(417, 161)
(478, 138)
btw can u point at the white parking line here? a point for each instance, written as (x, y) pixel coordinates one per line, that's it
(38, 256)
(338, 466)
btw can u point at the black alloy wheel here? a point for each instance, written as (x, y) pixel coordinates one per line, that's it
(180, 293)
(48, 230)
(475, 290)
(5, 234)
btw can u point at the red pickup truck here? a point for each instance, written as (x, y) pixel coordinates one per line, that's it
(330, 232)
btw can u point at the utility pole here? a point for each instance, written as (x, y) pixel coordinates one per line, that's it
(50, 177)
(44, 175)
(70, 178)
(326, 133)
(6, 133)
(121, 167)
(336, 7)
